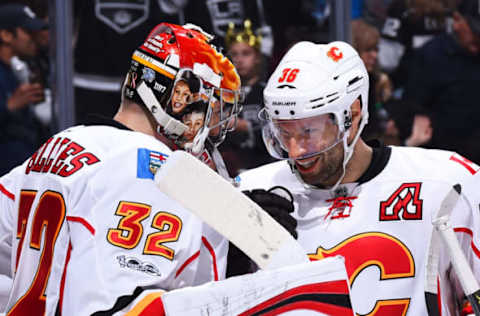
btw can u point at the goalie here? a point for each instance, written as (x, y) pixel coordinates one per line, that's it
(83, 228)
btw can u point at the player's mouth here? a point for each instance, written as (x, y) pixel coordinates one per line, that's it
(306, 165)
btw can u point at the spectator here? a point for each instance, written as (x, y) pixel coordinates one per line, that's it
(38, 66)
(245, 149)
(365, 40)
(408, 124)
(375, 12)
(444, 78)
(408, 26)
(20, 131)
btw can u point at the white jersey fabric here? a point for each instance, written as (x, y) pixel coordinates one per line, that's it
(90, 229)
(382, 225)
(7, 205)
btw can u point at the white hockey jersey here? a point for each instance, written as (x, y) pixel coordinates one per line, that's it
(90, 230)
(382, 225)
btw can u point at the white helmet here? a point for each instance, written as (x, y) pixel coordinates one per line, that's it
(319, 83)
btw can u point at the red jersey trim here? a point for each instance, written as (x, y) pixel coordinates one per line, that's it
(439, 296)
(9, 194)
(83, 222)
(465, 230)
(214, 258)
(62, 283)
(187, 262)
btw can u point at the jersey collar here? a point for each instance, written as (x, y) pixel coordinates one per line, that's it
(380, 157)
(94, 119)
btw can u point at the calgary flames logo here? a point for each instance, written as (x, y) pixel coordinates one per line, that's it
(335, 54)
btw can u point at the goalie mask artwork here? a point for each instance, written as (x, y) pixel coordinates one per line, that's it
(191, 89)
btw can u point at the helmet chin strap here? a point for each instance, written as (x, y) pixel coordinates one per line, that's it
(347, 154)
(199, 140)
(220, 164)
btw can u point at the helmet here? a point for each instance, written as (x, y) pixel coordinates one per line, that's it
(315, 85)
(176, 71)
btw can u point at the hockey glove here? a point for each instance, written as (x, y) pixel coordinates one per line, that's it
(276, 206)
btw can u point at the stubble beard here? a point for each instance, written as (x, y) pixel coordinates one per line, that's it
(328, 169)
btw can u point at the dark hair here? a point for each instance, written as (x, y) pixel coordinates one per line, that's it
(196, 107)
(190, 79)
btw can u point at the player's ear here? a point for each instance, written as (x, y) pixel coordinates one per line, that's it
(5, 36)
(356, 109)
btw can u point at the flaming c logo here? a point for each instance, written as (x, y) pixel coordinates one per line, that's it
(335, 54)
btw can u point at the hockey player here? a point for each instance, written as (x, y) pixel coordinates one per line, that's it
(369, 203)
(84, 230)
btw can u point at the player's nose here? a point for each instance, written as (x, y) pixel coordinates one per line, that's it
(296, 148)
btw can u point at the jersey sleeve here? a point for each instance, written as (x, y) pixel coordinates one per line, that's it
(394, 28)
(392, 41)
(7, 206)
(7, 224)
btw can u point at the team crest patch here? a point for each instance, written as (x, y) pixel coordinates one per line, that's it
(403, 204)
(148, 162)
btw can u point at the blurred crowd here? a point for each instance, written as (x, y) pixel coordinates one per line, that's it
(423, 59)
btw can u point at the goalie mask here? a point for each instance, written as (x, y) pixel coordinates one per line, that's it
(308, 101)
(190, 88)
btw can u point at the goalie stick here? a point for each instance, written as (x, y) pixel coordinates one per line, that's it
(443, 230)
(201, 190)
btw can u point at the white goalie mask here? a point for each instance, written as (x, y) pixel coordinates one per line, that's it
(308, 100)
